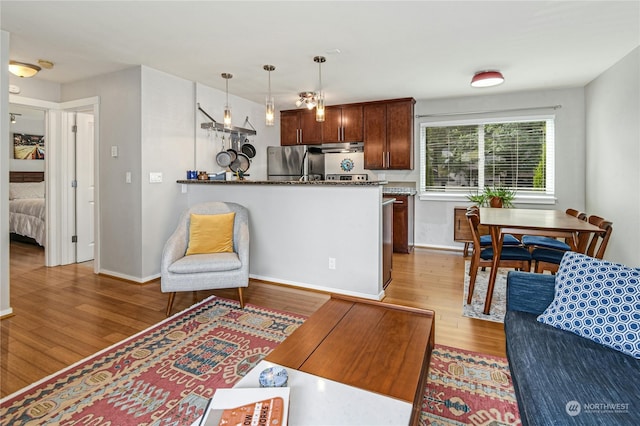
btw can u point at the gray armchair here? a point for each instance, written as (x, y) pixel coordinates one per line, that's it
(211, 270)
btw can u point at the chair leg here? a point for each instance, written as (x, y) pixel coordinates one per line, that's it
(170, 302)
(240, 296)
(472, 283)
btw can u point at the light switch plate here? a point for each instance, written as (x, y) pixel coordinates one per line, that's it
(155, 177)
(114, 151)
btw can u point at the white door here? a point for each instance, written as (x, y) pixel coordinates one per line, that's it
(85, 190)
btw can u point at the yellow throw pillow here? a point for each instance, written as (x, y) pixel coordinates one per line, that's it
(211, 233)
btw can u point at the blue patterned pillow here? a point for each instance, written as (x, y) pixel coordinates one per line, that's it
(598, 300)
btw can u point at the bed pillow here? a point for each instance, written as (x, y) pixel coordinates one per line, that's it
(26, 190)
(598, 300)
(211, 233)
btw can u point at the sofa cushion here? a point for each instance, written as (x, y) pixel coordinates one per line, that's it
(598, 300)
(554, 369)
(210, 262)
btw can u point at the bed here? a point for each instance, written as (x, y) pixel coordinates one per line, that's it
(27, 207)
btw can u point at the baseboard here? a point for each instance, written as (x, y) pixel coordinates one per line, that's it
(322, 289)
(440, 247)
(126, 277)
(6, 313)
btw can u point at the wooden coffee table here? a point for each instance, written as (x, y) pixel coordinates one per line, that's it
(370, 345)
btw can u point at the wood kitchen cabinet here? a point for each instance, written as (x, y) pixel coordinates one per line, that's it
(299, 127)
(403, 223)
(342, 123)
(388, 134)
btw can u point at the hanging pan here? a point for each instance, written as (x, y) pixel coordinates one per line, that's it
(241, 163)
(248, 150)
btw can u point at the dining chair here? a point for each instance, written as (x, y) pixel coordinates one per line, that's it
(510, 257)
(536, 241)
(546, 259)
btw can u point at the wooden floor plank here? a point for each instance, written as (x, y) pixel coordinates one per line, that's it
(66, 313)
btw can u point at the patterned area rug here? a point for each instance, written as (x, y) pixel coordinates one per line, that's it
(499, 301)
(164, 375)
(468, 388)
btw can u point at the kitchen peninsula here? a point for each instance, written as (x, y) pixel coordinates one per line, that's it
(321, 235)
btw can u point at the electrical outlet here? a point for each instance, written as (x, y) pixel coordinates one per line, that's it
(332, 263)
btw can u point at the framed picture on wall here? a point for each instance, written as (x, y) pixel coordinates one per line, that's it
(28, 147)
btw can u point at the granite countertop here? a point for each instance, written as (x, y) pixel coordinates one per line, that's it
(399, 190)
(287, 182)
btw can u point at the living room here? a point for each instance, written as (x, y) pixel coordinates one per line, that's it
(588, 171)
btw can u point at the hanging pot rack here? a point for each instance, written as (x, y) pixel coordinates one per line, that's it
(214, 125)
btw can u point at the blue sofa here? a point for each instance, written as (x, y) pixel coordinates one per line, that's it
(559, 377)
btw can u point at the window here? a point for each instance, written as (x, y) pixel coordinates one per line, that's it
(466, 156)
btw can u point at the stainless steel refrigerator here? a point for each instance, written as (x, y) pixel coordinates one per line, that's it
(286, 162)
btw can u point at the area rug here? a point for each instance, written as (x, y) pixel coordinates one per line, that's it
(468, 388)
(499, 301)
(163, 375)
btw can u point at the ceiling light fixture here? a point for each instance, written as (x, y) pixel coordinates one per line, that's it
(320, 99)
(487, 79)
(22, 69)
(12, 117)
(269, 104)
(307, 99)
(227, 109)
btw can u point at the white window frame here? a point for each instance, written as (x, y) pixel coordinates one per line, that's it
(522, 197)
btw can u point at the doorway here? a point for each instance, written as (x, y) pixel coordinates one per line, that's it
(72, 213)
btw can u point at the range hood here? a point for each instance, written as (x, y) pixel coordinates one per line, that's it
(328, 148)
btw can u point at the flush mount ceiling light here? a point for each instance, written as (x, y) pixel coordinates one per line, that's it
(320, 100)
(227, 109)
(307, 99)
(487, 79)
(269, 104)
(22, 69)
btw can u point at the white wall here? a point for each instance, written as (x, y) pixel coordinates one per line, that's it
(5, 306)
(120, 203)
(434, 219)
(613, 155)
(167, 147)
(36, 88)
(151, 117)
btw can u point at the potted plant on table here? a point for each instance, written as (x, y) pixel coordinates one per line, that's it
(495, 196)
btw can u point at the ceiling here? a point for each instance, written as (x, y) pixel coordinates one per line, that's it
(387, 49)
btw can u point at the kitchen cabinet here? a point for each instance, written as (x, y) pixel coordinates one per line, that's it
(388, 134)
(299, 127)
(342, 124)
(461, 229)
(403, 223)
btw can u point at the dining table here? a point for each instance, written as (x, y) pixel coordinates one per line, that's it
(549, 223)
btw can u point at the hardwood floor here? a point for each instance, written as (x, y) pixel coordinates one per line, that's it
(67, 313)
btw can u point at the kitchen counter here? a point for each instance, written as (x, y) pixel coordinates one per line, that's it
(285, 182)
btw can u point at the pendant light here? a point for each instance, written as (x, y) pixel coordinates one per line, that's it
(227, 109)
(269, 104)
(320, 99)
